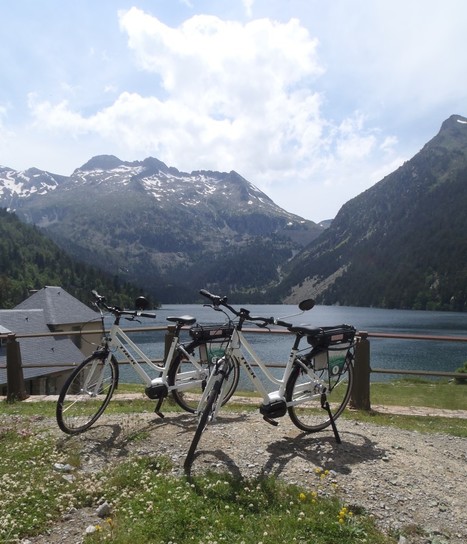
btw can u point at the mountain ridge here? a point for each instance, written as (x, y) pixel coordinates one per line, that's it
(161, 226)
(400, 243)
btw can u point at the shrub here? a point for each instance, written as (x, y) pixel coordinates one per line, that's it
(461, 379)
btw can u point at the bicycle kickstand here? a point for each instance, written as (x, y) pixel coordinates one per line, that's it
(157, 409)
(325, 405)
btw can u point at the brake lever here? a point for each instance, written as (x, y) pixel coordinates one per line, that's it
(132, 318)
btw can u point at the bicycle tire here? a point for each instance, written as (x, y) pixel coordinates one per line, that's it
(308, 415)
(78, 405)
(204, 415)
(188, 397)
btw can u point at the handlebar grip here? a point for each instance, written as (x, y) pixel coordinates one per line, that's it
(215, 299)
(153, 316)
(282, 323)
(99, 300)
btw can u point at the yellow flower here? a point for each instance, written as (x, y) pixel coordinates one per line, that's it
(302, 496)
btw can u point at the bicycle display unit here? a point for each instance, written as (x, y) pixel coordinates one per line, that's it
(183, 373)
(314, 388)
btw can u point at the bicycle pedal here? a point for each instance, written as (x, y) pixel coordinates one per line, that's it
(272, 422)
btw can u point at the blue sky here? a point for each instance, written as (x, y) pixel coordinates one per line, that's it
(313, 101)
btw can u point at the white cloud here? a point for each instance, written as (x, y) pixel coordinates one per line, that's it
(307, 120)
(235, 95)
(248, 5)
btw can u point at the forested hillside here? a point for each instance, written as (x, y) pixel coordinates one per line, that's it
(400, 244)
(29, 260)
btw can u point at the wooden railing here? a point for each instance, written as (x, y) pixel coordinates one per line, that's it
(360, 398)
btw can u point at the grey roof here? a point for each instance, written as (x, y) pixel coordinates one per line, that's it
(24, 321)
(59, 306)
(50, 353)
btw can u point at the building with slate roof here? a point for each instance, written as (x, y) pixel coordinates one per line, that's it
(64, 312)
(47, 360)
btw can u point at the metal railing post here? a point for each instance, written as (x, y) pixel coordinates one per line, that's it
(14, 371)
(168, 339)
(360, 395)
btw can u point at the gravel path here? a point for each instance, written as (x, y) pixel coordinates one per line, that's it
(402, 478)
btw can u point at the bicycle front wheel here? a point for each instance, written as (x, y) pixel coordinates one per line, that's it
(189, 381)
(305, 388)
(86, 394)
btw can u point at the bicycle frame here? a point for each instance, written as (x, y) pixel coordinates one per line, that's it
(117, 341)
(233, 352)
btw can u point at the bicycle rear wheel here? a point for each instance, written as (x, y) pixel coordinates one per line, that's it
(207, 410)
(86, 393)
(189, 382)
(304, 390)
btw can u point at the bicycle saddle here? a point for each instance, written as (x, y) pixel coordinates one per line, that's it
(183, 319)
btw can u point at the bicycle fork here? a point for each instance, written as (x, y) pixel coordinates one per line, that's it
(217, 382)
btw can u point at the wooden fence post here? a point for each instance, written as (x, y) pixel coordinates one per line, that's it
(360, 395)
(14, 371)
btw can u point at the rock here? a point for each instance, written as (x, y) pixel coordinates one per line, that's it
(60, 467)
(104, 510)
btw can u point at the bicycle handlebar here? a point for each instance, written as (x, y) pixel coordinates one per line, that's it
(101, 303)
(243, 313)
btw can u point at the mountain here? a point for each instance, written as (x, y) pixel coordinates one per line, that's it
(171, 231)
(29, 260)
(400, 244)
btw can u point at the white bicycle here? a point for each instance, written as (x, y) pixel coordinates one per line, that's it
(314, 388)
(183, 373)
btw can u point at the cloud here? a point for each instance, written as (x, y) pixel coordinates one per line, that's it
(229, 95)
(248, 5)
(235, 93)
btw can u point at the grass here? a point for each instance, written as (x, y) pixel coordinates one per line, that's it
(418, 392)
(423, 424)
(214, 508)
(32, 493)
(149, 505)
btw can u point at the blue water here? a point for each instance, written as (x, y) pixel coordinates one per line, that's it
(384, 353)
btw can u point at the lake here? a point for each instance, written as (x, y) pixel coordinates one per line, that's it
(385, 353)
